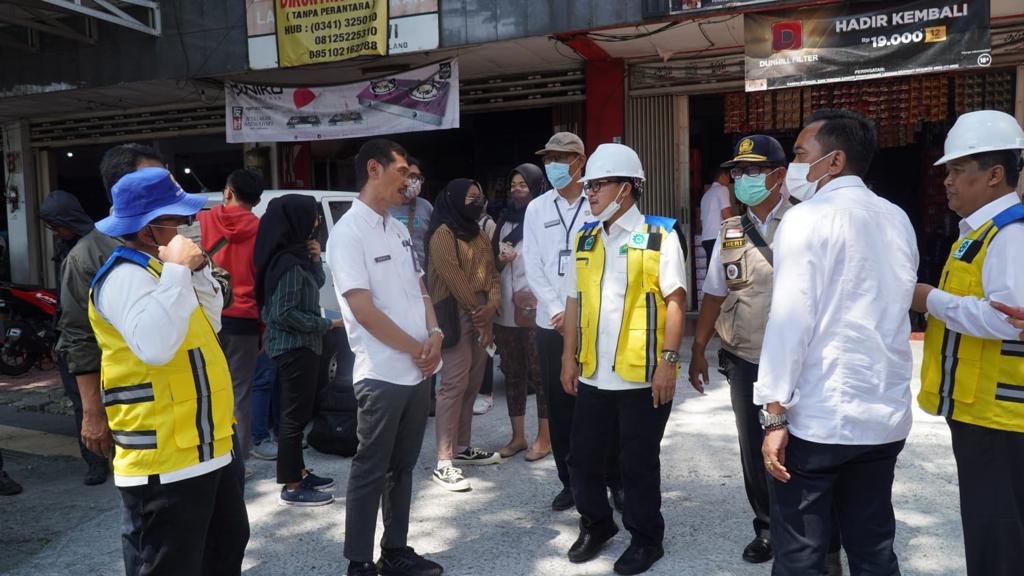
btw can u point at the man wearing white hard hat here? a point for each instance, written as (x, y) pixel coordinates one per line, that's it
(973, 369)
(624, 324)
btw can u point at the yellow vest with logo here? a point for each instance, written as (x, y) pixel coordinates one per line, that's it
(642, 332)
(973, 380)
(163, 418)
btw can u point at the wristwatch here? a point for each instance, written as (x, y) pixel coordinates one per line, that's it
(670, 356)
(771, 421)
(435, 330)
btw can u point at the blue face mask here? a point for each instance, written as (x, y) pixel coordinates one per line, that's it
(558, 174)
(751, 190)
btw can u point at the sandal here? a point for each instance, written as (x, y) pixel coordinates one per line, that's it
(510, 450)
(532, 456)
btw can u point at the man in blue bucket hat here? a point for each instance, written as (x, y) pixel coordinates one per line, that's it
(155, 308)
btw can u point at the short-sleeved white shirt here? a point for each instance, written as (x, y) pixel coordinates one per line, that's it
(671, 277)
(367, 251)
(712, 203)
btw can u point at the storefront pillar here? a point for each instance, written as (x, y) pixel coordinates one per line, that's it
(21, 200)
(606, 102)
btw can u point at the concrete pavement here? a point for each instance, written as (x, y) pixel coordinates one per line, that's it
(504, 526)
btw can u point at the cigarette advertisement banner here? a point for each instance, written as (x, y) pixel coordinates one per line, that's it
(860, 40)
(317, 31)
(425, 98)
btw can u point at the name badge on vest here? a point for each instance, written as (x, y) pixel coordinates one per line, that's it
(551, 223)
(380, 259)
(962, 249)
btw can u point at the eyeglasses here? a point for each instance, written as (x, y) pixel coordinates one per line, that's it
(596, 185)
(416, 178)
(523, 186)
(748, 171)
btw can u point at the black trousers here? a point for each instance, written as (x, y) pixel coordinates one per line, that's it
(297, 371)
(392, 421)
(990, 468)
(640, 429)
(196, 526)
(487, 385)
(71, 391)
(857, 480)
(742, 375)
(561, 408)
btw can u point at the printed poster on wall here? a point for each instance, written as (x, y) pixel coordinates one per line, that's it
(425, 98)
(855, 41)
(317, 31)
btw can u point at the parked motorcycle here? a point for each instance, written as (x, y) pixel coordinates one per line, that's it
(28, 330)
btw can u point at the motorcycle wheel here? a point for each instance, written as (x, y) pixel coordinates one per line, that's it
(15, 359)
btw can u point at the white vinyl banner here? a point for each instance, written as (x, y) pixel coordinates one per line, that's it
(425, 98)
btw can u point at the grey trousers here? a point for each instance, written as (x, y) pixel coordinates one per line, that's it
(241, 351)
(391, 423)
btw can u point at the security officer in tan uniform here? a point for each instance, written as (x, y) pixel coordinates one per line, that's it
(737, 296)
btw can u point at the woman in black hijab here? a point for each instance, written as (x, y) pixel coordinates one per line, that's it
(514, 325)
(463, 285)
(289, 275)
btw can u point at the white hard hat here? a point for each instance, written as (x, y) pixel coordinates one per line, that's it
(611, 160)
(982, 131)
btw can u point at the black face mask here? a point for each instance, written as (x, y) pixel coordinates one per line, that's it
(473, 211)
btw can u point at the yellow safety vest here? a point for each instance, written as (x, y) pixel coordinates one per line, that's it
(965, 378)
(642, 333)
(163, 418)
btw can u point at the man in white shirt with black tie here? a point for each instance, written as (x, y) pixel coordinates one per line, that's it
(836, 364)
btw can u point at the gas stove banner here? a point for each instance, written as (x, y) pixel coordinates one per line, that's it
(860, 40)
(424, 98)
(316, 31)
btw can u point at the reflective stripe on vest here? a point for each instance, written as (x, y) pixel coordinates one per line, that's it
(642, 331)
(163, 418)
(974, 380)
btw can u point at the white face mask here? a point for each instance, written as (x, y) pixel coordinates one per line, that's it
(796, 179)
(191, 231)
(412, 189)
(611, 208)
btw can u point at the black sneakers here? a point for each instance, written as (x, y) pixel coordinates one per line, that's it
(406, 562)
(476, 457)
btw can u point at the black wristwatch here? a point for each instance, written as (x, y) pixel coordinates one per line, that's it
(771, 421)
(670, 356)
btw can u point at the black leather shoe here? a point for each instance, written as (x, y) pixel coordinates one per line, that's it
(833, 564)
(362, 569)
(590, 542)
(618, 497)
(638, 559)
(758, 551)
(97, 474)
(406, 562)
(563, 501)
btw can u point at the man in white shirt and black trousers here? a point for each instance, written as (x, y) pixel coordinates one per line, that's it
(551, 223)
(836, 363)
(624, 324)
(397, 345)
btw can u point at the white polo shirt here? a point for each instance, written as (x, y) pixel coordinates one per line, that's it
(550, 226)
(671, 277)
(367, 251)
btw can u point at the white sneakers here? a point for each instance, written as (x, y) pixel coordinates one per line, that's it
(451, 479)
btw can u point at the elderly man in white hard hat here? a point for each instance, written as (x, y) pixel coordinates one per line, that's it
(624, 324)
(973, 370)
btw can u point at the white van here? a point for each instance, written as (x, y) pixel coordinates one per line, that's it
(337, 358)
(332, 206)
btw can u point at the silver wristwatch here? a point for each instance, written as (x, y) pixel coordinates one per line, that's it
(435, 330)
(670, 356)
(771, 421)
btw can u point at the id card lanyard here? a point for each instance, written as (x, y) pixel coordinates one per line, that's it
(565, 255)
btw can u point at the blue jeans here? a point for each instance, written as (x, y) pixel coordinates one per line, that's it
(264, 398)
